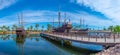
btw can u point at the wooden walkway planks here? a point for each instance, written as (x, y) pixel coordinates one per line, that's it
(99, 41)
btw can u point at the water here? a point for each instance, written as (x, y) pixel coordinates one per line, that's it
(36, 45)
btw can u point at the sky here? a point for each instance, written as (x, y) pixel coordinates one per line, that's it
(96, 13)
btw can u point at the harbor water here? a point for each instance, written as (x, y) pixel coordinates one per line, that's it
(34, 44)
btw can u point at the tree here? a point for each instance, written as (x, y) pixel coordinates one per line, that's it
(49, 27)
(42, 27)
(117, 28)
(14, 27)
(28, 29)
(8, 28)
(37, 25)
(3, 28)
(31, 27)
(111, 28)
(76, 27)
(105, 29)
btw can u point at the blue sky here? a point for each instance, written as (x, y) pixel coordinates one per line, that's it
(97, 13)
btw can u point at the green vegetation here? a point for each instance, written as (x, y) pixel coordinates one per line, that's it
(42, 27)
(49, 27)
(36, 26)
(7, 29)
(114, 28)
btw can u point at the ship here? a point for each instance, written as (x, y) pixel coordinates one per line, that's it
(83, 28)
(20, 31)
(65, 27)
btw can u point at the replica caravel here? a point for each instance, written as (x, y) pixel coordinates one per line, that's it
(67, 26)
(20, 31)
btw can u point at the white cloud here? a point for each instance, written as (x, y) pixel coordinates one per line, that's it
(6, 3)
(47, 16)
(110, 8)
(90, 20)
(29, 17)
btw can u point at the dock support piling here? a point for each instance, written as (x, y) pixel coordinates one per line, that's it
(114, 37)
(105, 37)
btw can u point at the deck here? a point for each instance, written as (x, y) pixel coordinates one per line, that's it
(85, 39)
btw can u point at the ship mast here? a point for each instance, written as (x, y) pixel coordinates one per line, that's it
(83, 23)
(59, 16)
(53, 23)
(80, 23)
(20, 20)
(65, 18)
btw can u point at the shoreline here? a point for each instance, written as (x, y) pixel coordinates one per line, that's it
(27, 32)
(110, 51)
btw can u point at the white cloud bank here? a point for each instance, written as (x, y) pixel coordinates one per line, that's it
(6, 3)
(110, 8)
(47, 16)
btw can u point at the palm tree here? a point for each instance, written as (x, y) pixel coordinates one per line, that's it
(111, 28)
(28, 29)
(14, 27)
(42, 27)
(49, 27)
(4, 28)
(31, 27)
(8, 28)
(1, 29)
(37, 25)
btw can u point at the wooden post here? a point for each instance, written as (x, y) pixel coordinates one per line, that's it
(62, 42)
(105, 37)
(118, 34)
(76, 35)
(96, 37)
(114, 37)
(88, 37)
(82, 37)
(71, 36)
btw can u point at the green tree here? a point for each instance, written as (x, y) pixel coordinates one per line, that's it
(8, 28)
(42, 27)
(77, 27)
(111, 28)
(49, 27)
(28, 29)
(37, 26)
(3, 28)
(104, 29)
(117, 28)
(31, 28)
(14, 27)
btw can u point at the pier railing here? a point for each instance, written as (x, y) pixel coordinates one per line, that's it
(91, 37)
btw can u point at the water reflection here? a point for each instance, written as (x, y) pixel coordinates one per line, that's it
(35, 45)
(5, 37)
(20, 43)
(74, 50)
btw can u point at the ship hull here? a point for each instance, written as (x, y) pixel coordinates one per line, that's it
(20, 32)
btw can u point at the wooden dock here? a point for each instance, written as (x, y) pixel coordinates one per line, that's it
(84, 39)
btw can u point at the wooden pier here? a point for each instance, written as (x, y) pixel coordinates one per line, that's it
(88, 39)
